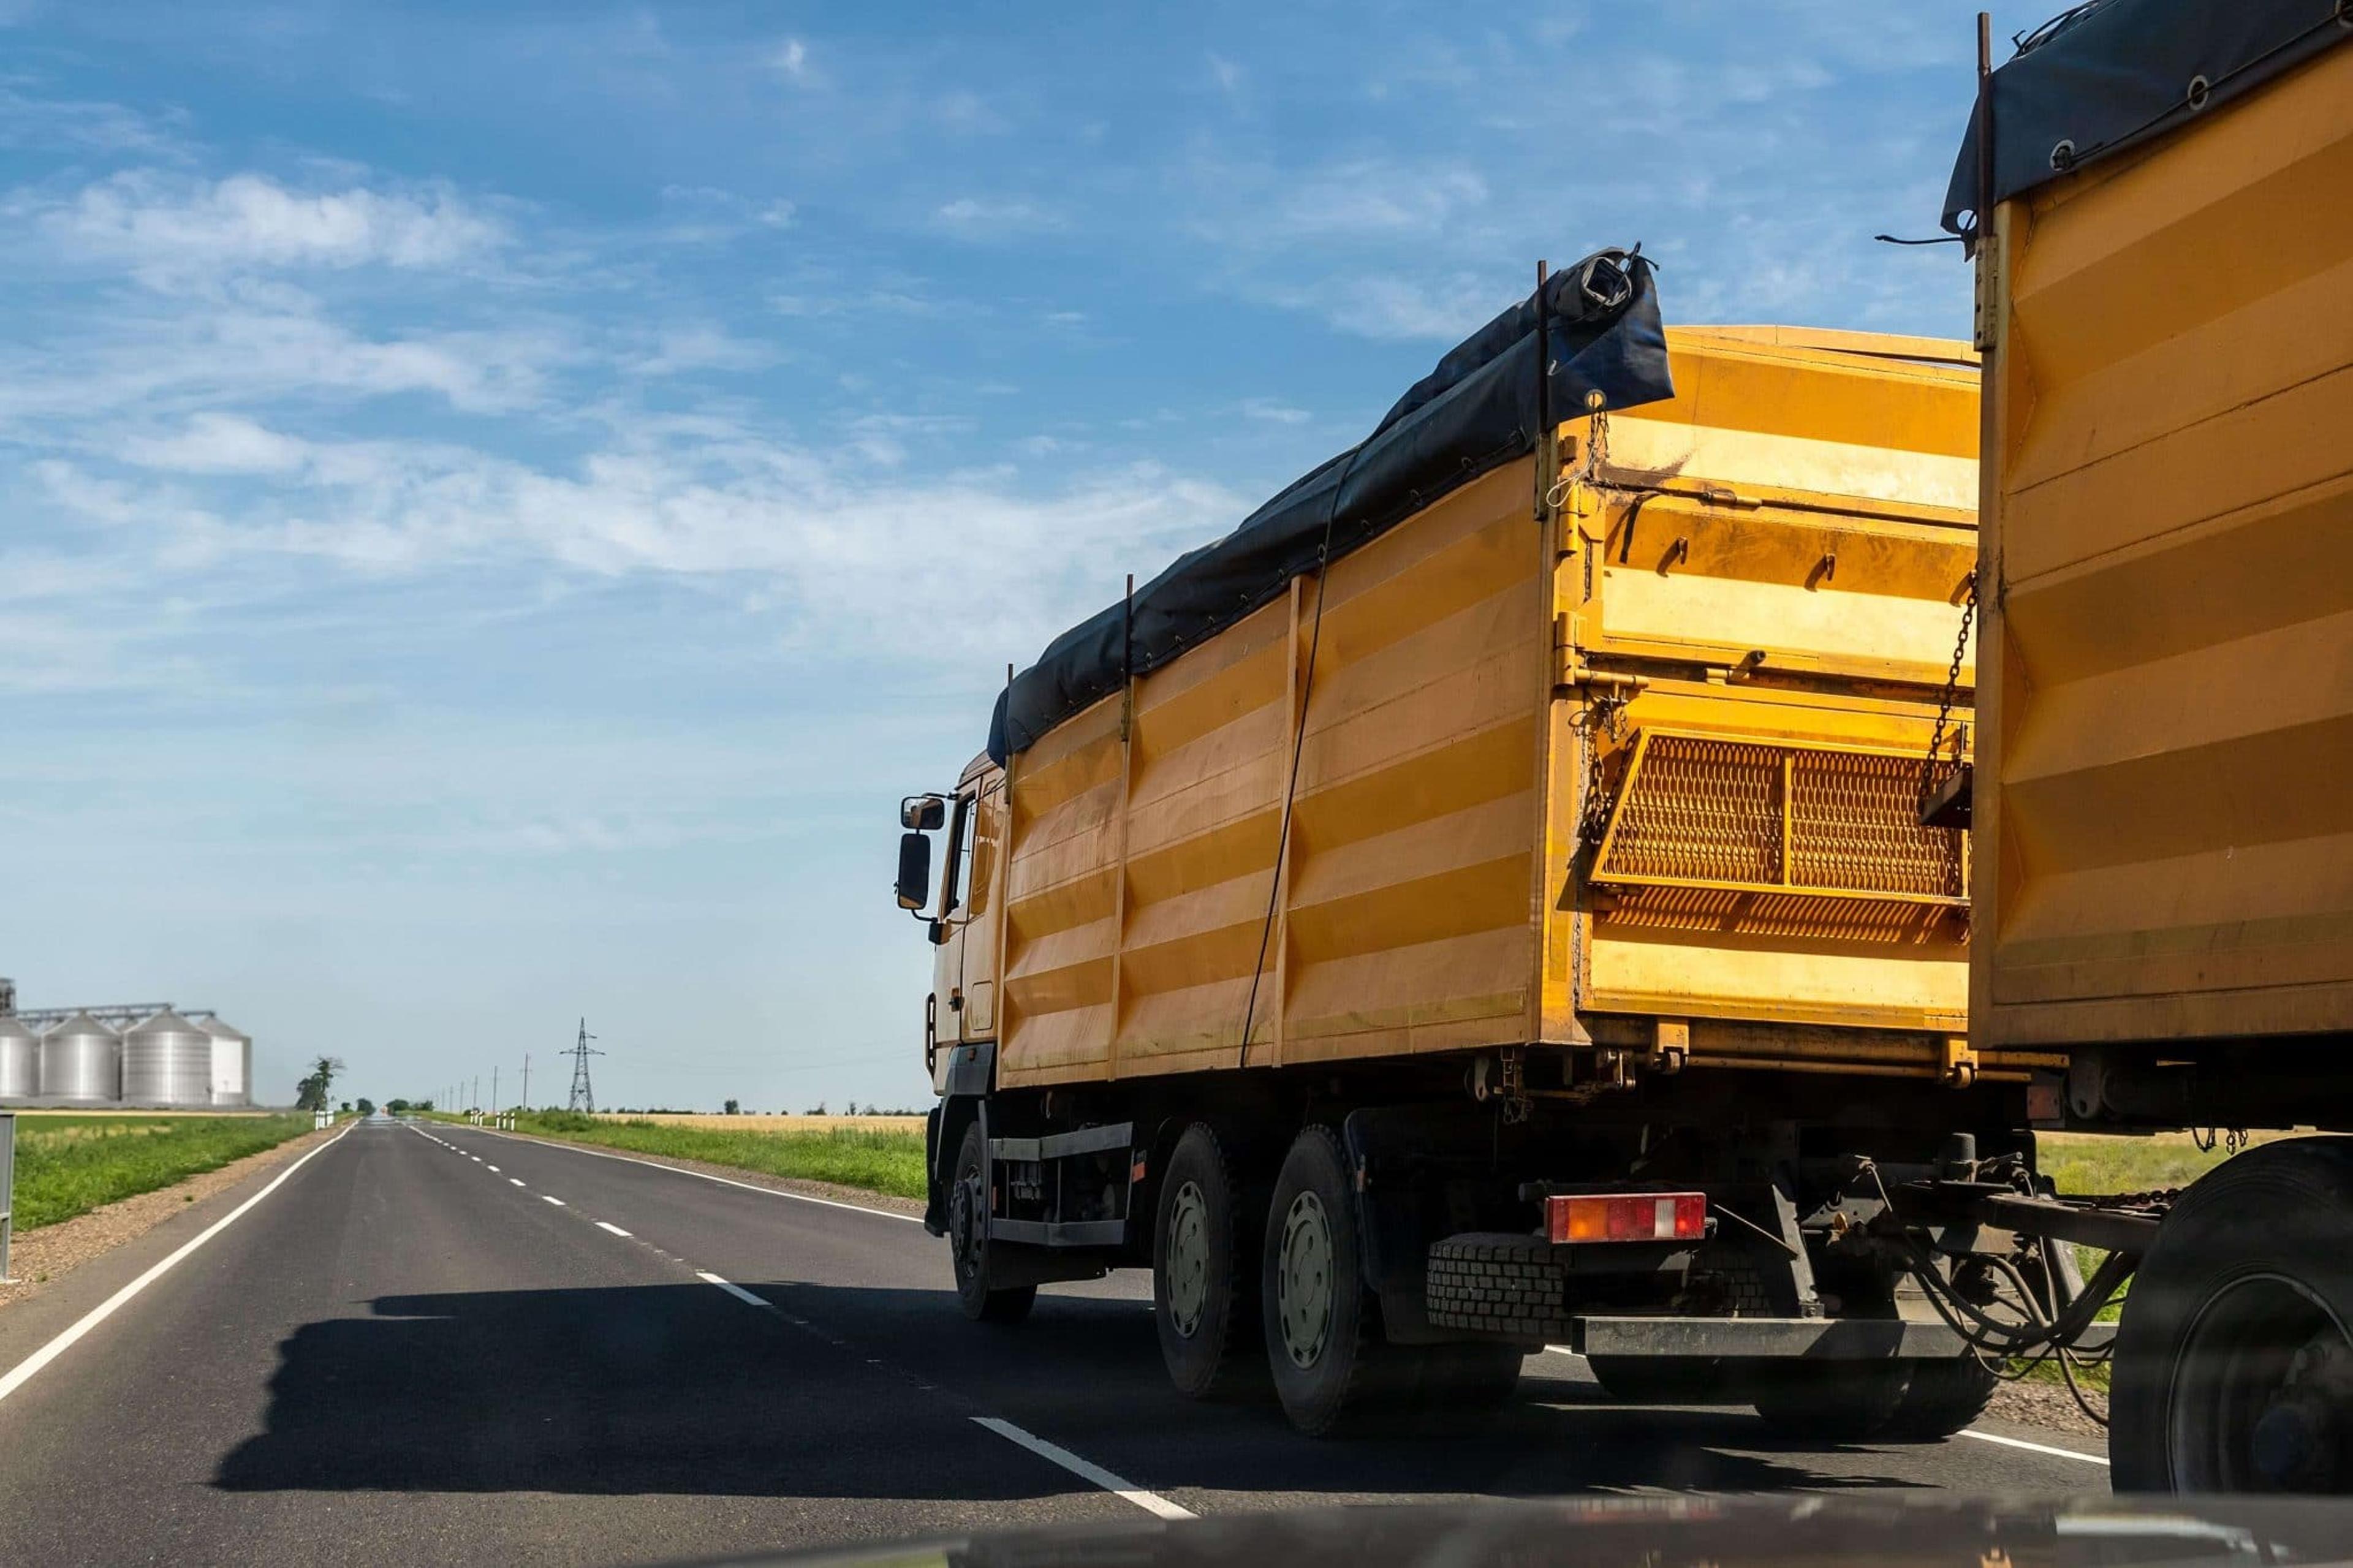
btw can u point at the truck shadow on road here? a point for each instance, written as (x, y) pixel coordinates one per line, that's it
(866, 1392)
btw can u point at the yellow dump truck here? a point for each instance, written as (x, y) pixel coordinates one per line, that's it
(1483, 901)
(2163, 790)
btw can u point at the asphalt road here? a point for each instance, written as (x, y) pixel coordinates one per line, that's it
(448, 1346)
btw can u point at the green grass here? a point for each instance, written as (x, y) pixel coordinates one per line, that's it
(2091, 1163)
(67, 1165)
(877, 1162)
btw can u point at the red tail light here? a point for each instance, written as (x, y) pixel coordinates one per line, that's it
(1627, 1216)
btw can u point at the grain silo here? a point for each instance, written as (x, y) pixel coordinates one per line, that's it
(167, 1060)
(82, 1060)
(232, 1068)
(20, 1060)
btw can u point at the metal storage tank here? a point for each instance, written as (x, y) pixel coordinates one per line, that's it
(20, 1060)
(166, 1060)
(81, 1059)
(232, 1062)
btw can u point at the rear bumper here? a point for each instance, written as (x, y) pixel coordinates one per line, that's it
(1817, 1339)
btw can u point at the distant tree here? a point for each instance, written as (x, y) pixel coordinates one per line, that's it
(367, 1107)
(312, 1092)
(732, 1110)
(820, 1109)
(344, 1108)
(397, 1107)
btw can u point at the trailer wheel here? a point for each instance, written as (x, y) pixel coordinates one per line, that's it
(1204, 1278)
(968, 1240)
(1332, 1369)
(1664, 1380)
(1841, 1402)
(2234, 1359)
(1945, 1396)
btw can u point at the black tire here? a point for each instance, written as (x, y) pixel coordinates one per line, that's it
(1945, 1396)
(1209, 1321)
(969, 1242)
(1665, 1379)
(1498, 1282)
(2233, 1365)
(1830, 1401)
(1332, 1370)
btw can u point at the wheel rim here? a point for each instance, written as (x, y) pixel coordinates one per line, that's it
(1303, 1283)
(1188, 1258)
(2258, 1393)
(964, 1226)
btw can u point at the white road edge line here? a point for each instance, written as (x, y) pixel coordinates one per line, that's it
(546, 1199)
(2034, 1448)
(723, 1181)
(735, 1290)
(1128, 1491)
(16, 1377)
(609, 1224)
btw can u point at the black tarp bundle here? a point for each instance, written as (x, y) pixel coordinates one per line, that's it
(2112, 74)
(1478, 409)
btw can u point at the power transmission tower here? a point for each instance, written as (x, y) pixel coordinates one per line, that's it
(583, 1098)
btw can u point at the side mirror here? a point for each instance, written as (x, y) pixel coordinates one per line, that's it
(923, 813)
(914, 871)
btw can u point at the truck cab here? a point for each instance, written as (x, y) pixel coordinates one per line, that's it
(964, 896)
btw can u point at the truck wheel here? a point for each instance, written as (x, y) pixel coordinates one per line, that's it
(968, 1240)
(1840, 1401)
(1496, 1282)
(2235, 1363)
(1663, 1379)
(1945, 1396)
(1203, 1271)
(1323, 1337)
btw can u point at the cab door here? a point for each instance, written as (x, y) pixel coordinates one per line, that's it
(983, 869)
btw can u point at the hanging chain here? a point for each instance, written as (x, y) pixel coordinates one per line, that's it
(1951, 692)
(1604, 716)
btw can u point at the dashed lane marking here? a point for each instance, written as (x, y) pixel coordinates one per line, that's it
(735, 1290)
(609, 1224)
(513, 1182)
(546, 1199)
(1085, 1469)
(723, 1181)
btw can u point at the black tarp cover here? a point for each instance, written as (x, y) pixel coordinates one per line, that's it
(2110, 75)
(1476, 410)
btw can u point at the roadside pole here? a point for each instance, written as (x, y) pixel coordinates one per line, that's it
(7, 1189)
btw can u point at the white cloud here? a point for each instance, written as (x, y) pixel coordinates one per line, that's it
(1379, 196)
(976, 217)
(164, 229)
(1271, 412)
(790, 59)
(218, 444)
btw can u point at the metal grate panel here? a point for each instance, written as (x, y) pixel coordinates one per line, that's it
(1743, 816)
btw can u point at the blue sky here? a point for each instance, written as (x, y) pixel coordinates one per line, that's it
(498, 502)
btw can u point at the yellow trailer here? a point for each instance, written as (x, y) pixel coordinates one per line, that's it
(1483, 902)
(2160, 801)
(1722, 647)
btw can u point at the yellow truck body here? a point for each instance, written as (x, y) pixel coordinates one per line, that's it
(2164, 795)
(1618, 747)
